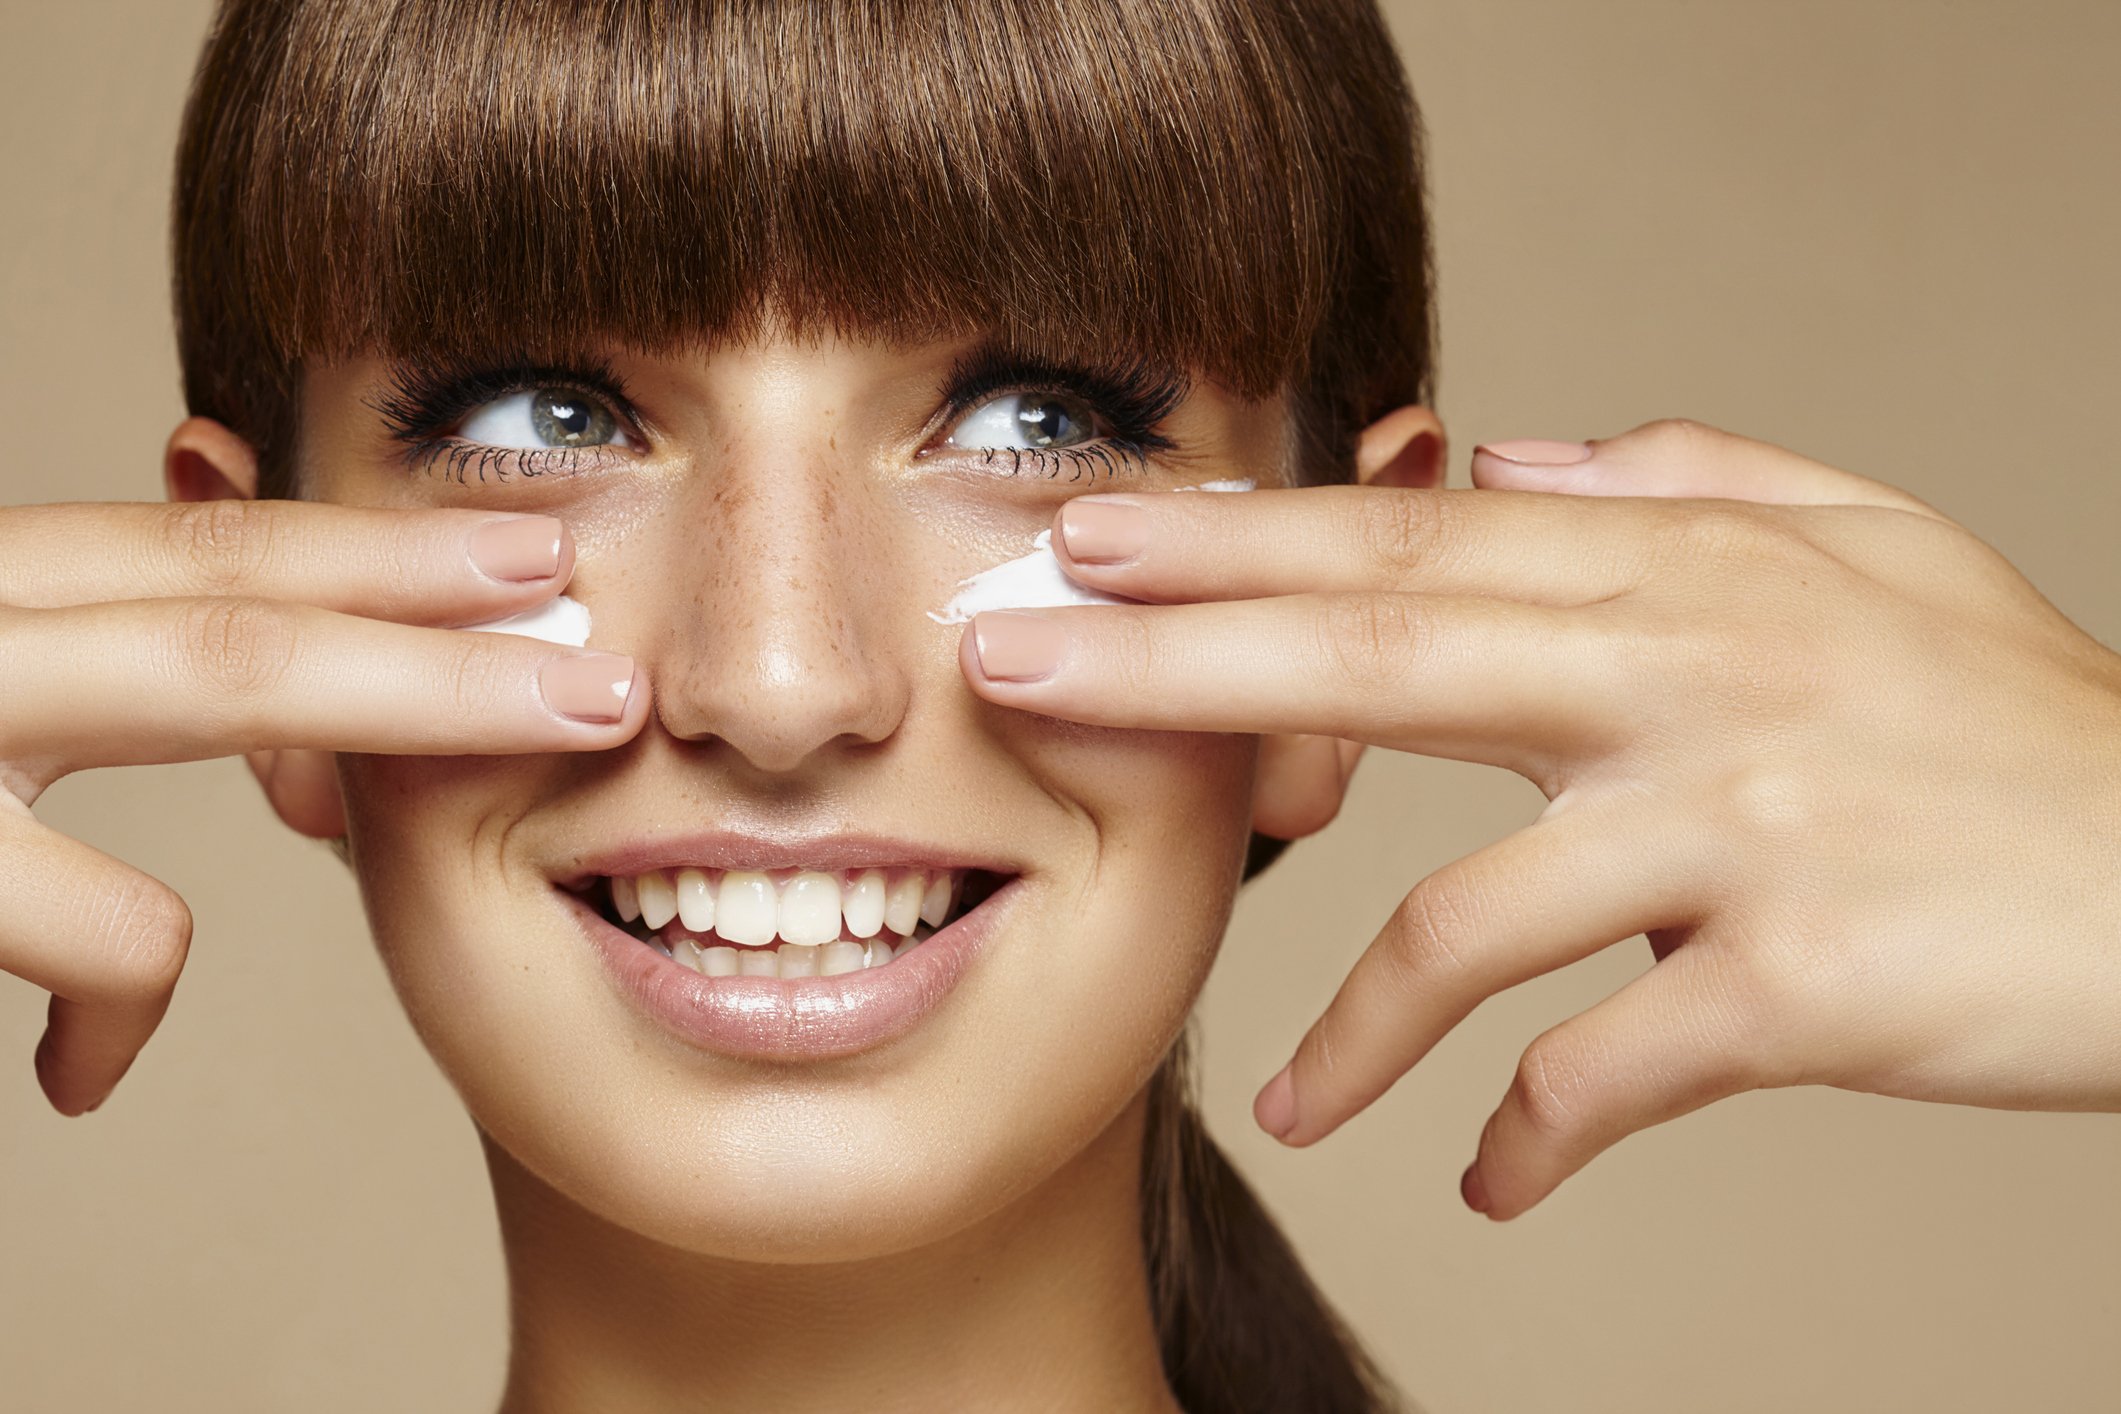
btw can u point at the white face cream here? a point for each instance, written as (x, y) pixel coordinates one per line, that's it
(1036, 580)
(558, 620)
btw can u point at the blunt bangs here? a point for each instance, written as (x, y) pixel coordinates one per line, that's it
(1227, 186)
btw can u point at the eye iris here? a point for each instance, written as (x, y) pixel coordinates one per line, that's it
(566, 417)
(1048, 421)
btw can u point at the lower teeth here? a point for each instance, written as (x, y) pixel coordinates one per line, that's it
(791, 959)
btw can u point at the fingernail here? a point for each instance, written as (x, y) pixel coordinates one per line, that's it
(91, 1109)
(1275, 1109)
(1103, 532)
(1014, 647)
(589, 687)
(519, 548)
(1535, 451)
(1472, 1189)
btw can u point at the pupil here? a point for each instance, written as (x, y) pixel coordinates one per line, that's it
(564, 418)
(1044, 423)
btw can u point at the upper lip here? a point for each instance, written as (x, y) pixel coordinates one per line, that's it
(729, 849)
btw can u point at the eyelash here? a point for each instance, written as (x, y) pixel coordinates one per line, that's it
(1134, 398)
(423, 398)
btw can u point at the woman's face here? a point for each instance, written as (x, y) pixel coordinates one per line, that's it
(766, 529)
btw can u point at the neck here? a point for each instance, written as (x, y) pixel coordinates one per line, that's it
(1041, 1306)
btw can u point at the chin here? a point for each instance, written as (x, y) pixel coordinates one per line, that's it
(804, 1043)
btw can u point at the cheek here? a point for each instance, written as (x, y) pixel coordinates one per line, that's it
(1079, 993)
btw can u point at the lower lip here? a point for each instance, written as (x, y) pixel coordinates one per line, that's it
(781, 1018)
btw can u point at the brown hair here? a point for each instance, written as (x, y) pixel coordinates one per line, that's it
(1230, 186)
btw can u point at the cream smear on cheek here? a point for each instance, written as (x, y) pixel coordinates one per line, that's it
(1036, 580)
(1033, 581)
(561, 620)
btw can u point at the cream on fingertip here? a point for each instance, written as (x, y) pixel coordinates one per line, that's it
(561, 619)
(1036, 580)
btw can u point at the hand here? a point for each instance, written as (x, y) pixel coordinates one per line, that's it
(134, 633)
(1856, 779)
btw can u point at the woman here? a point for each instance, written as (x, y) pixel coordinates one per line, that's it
(834, 492)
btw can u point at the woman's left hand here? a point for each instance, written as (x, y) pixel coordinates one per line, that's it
(1856, 779)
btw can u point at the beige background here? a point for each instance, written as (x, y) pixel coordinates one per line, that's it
(1883, 233)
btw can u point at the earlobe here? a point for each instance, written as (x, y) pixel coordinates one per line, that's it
(1406, 447)
(1300, 783)
(205, 461)
(303, 788)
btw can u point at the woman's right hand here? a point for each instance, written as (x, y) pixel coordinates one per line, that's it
(135, 633)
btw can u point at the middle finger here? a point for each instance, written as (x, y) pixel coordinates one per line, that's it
(1513, 685)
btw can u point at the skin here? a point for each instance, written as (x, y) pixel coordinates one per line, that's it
(932, 1218)
(1809, 826)
(1848, 770)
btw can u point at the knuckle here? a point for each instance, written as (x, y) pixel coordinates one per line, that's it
(1400, 530)
(237, 649)
(476, 670)
(1552, 1088)
(1370, 640)
(1719, 530)
(1680, 438)
(1126, 657)
(1770, 801)
(219, 547)
(1433, 926)
(144, 930)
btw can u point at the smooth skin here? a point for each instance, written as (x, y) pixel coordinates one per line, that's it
(1858, 782)
(137, 633)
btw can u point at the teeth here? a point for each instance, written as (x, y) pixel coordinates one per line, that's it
(659, 901)
(838, 957)
(865, 904)
(935, 904)
(624, 898)
(748, 910)
(810, 909)
(826, 923)
(902, 908)
(695, 901)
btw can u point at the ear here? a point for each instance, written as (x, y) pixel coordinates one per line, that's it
(1301, 783)
(1303, 779)
(205, 461)
(1405, 447)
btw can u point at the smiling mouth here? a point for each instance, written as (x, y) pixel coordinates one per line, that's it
(788, 923)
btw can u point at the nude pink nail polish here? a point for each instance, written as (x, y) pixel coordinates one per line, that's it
(1014, 647)
(1537, 451)
(591, 687)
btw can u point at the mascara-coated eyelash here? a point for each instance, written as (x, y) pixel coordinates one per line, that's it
(425, 399)
(1133, 398)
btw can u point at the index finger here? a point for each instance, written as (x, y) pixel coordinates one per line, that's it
(423, 566)
(1517, 545)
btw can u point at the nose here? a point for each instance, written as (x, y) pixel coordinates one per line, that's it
(784, 647)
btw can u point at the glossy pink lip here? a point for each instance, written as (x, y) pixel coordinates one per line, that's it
(723, 849)
(791, 1019)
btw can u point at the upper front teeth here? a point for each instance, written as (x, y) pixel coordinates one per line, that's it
(751, 908)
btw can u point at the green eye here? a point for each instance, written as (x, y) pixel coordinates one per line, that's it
(1026, 422)
(544, 418)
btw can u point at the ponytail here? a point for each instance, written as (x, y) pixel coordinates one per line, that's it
(1242, 1328)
